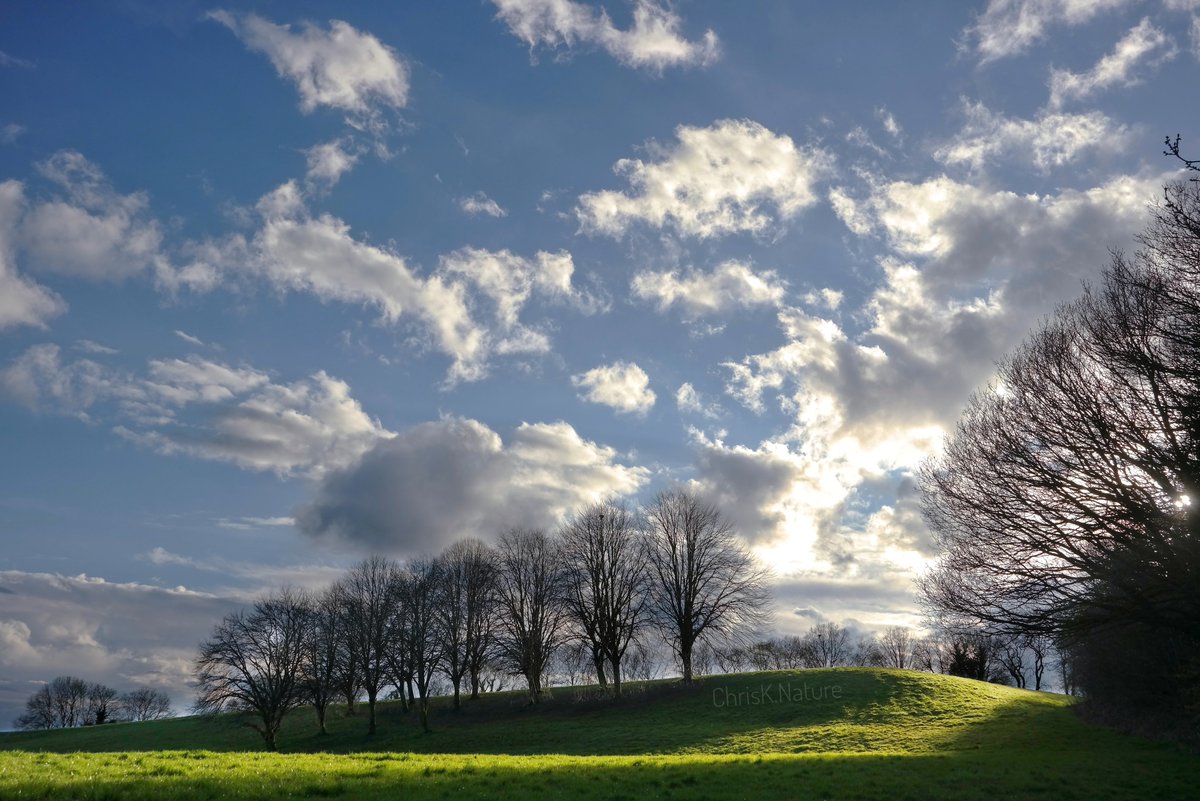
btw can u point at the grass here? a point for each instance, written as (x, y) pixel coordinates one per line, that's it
(890, 734)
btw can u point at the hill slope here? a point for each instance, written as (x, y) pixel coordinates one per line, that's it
(843, 733)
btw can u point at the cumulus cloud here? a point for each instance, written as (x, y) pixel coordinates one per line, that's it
(467, 309)
(1052, 139)
(1143, 44)
(688, 400)
(622, 385)
(454, 478)
(1010, 27)
(204, 408)
(730, 285)
(23, 302)
(734, 176)
(971, 270)
(480, 203)
(653, 42)
(327, 162)
(341, 67)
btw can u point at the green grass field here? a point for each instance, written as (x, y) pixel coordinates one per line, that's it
(890, 735)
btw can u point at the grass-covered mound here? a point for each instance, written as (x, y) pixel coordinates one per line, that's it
(880, 734)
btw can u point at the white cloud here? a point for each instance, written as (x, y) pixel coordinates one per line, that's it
(889, 122)
(653, 42)
(204, 408)
(622, 385)
(730, 285)
(22, 302)
(10, 132)
(480, 203)
(1010, 27)
(1052, 139)
(7, 60)
(687, 399)
(1118, 68)
(329, 161)
(440, 481)
(827, 298)
(733, 176)
(342, 68)
(89, 346)
(972, 270)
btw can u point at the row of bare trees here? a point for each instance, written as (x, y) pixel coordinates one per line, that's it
(67, 701)
(608, 578)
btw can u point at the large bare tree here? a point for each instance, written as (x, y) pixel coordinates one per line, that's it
(529, 586)
(252, 662)
(467, 612)
(370, 598)
(321, 660)
(606, 582)
(704, 583)
(420, 634)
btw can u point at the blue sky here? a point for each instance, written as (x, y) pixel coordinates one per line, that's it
(282, 284)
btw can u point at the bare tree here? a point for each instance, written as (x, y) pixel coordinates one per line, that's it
(467, 612)
(606, 581)
(101, 704)
(1039, 647)
(829, 645)
(320, 668)
(867, 652)
(145, 703)
(896, 644)
(1011, 655)
(704, 582)
(39, 711)
(252, 662)
(420, 636)
(530, 589)
(369, 601)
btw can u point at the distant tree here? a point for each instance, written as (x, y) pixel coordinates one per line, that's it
(828, 645)
(1039, 646)
(896, 644)
(703, 581)
(606, 582)
(144, 703)
(370, 595)
(530, 588)
(1011, 655)
(467, 612)
(252, 662)
(39, 711)
(867, 652)
(101, 704)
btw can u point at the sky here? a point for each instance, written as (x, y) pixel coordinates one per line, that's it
(286, 284)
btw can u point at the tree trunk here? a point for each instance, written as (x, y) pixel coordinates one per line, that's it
(616, 676)
(424, 706)
(598, 658)
(321, 718)
(685, 656)
(457, 682)
(370, 711)
(474, 685)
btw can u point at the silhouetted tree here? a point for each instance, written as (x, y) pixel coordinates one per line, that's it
(467, 611)
(252, 662)
(145, 703)
(703, 581)
(370, 598)
(606, 582)
(530, 588)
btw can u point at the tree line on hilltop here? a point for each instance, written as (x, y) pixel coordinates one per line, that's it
(66, 702)
(607, 578)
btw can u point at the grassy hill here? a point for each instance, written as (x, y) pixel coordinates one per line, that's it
(880, 734)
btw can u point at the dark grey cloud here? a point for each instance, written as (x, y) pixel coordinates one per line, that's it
(453, 478)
